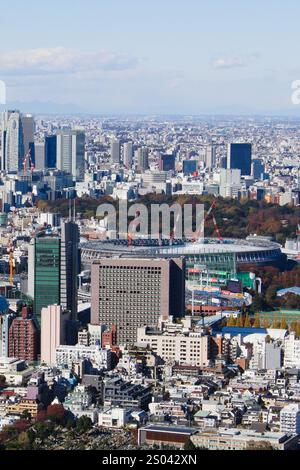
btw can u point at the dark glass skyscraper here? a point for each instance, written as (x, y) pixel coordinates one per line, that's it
(50, 151)
(56, 267)
(239, 157)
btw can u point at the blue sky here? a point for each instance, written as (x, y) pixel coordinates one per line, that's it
(167, 56)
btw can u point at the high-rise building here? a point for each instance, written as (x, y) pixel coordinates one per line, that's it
(69, 268)
(142, 159)
(39, 155)
(28, 131)
(290, 419)
(230, 183)
(56, 267)
(167, 162)
(50, 151)
(257, 169)
(5, 322)
(46, 272)
(115, 151)
(239, 157)
(189, 167)
(12, 141)
(210, 157)
(54, 322)
(127, 154)
(131, 293)
(70, 152)
(23, 337)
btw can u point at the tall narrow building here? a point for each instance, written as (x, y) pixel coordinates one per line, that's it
(127, 154)
(56, 267)
(115, 151)
(70, 152)
(12, 141)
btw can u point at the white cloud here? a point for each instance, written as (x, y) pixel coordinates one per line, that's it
(224, 62)
(62, 61)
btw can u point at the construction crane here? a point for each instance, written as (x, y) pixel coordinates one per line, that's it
(26, 158)
(10, 250)
(209, 212)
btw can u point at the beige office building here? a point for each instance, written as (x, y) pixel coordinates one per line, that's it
(131, 293)
(53, 332)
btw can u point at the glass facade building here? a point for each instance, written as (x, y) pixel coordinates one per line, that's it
(47, 273)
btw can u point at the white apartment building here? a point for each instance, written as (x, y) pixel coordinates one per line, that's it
(68, 355)
(291, 351)
(113, 417)
(191, 348)
(290, 419)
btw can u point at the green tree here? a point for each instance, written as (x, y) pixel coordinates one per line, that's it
(83, 424)
(189, 445)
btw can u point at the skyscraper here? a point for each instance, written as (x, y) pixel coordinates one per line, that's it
(143, 159)
(56, 267)
(167, 162)
(46, 272)
(115, 151)
(69, 268)
(239, 157)
(28, 131)
(127, 154)
(210, 157)
(50, 151)
(39, 155)
(131, 293)
(12, 141)
(70, 152)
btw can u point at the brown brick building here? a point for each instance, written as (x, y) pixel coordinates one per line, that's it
(23, 337)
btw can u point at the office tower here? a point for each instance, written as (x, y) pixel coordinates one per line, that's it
(142, 159)
(115, 151)
(210, 157)
(230, 183)
(50, 151)
(167, 162)
(56, 267)
(131, 293)
(12, 141)
(290, 419)
(69, 266)
(127, 154)
(54, 322)
(46, 272)
(70, 152)
(23, 337)
(189, 167)
(28, 131)
(239, 157)
(39, 155)
(257, 169)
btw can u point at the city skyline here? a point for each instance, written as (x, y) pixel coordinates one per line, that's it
(196, 58)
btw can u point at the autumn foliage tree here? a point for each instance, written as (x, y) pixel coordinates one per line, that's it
(56, 413)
